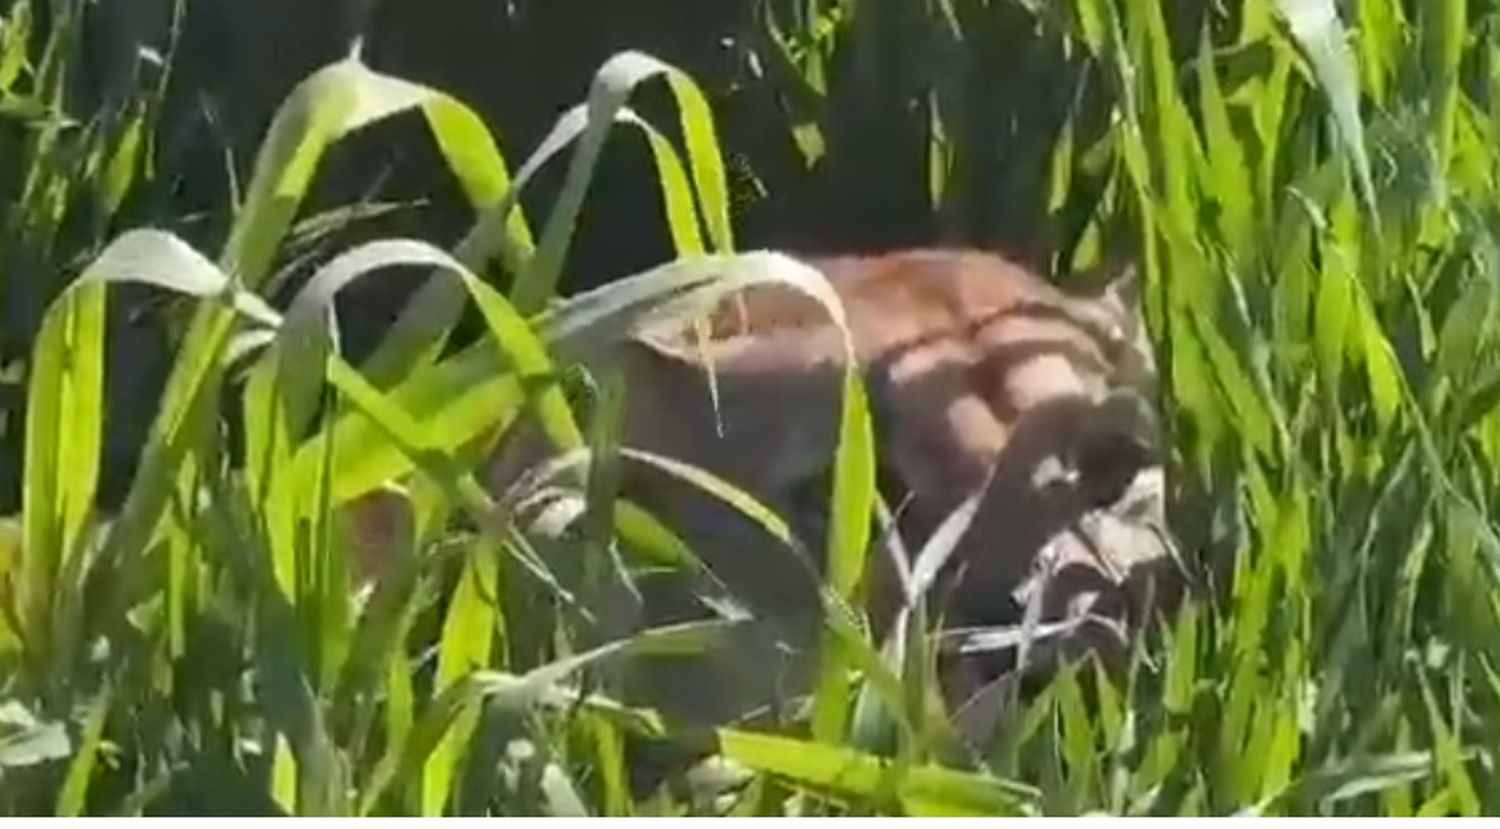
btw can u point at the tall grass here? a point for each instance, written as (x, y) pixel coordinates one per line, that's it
(1310, 194)
(79, 154)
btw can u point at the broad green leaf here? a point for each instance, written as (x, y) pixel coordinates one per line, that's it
(458, 487)
(282, 394)
(466, 394)
(1241, 398)
(1382, 370)
(612, 86)
(1445, 29)
(73, 796)
(848, 544)
(284, 776)
(328, 105)
(1468, 329)
(841, 772)
(64, 436)
(1333, 319)
(1316, 27)
(1381, 38)
(464, 647)
(65, 418)
(1234, 194)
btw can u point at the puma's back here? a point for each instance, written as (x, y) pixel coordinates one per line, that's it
(908, 302)
(955, 346)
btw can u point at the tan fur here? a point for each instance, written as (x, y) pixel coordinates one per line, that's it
(983, 378)
(955, 346)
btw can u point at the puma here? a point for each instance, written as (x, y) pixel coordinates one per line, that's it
(984, 380)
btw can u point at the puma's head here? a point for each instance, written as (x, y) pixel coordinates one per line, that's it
(1117, 312)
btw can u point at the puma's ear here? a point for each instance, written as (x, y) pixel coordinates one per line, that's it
(1124, 289)
(1124, 295)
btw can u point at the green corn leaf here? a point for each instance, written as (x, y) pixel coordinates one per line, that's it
(841, 772)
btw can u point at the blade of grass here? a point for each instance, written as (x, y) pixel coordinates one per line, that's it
(922, 791)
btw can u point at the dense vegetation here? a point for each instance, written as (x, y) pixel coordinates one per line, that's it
(1310, 188)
